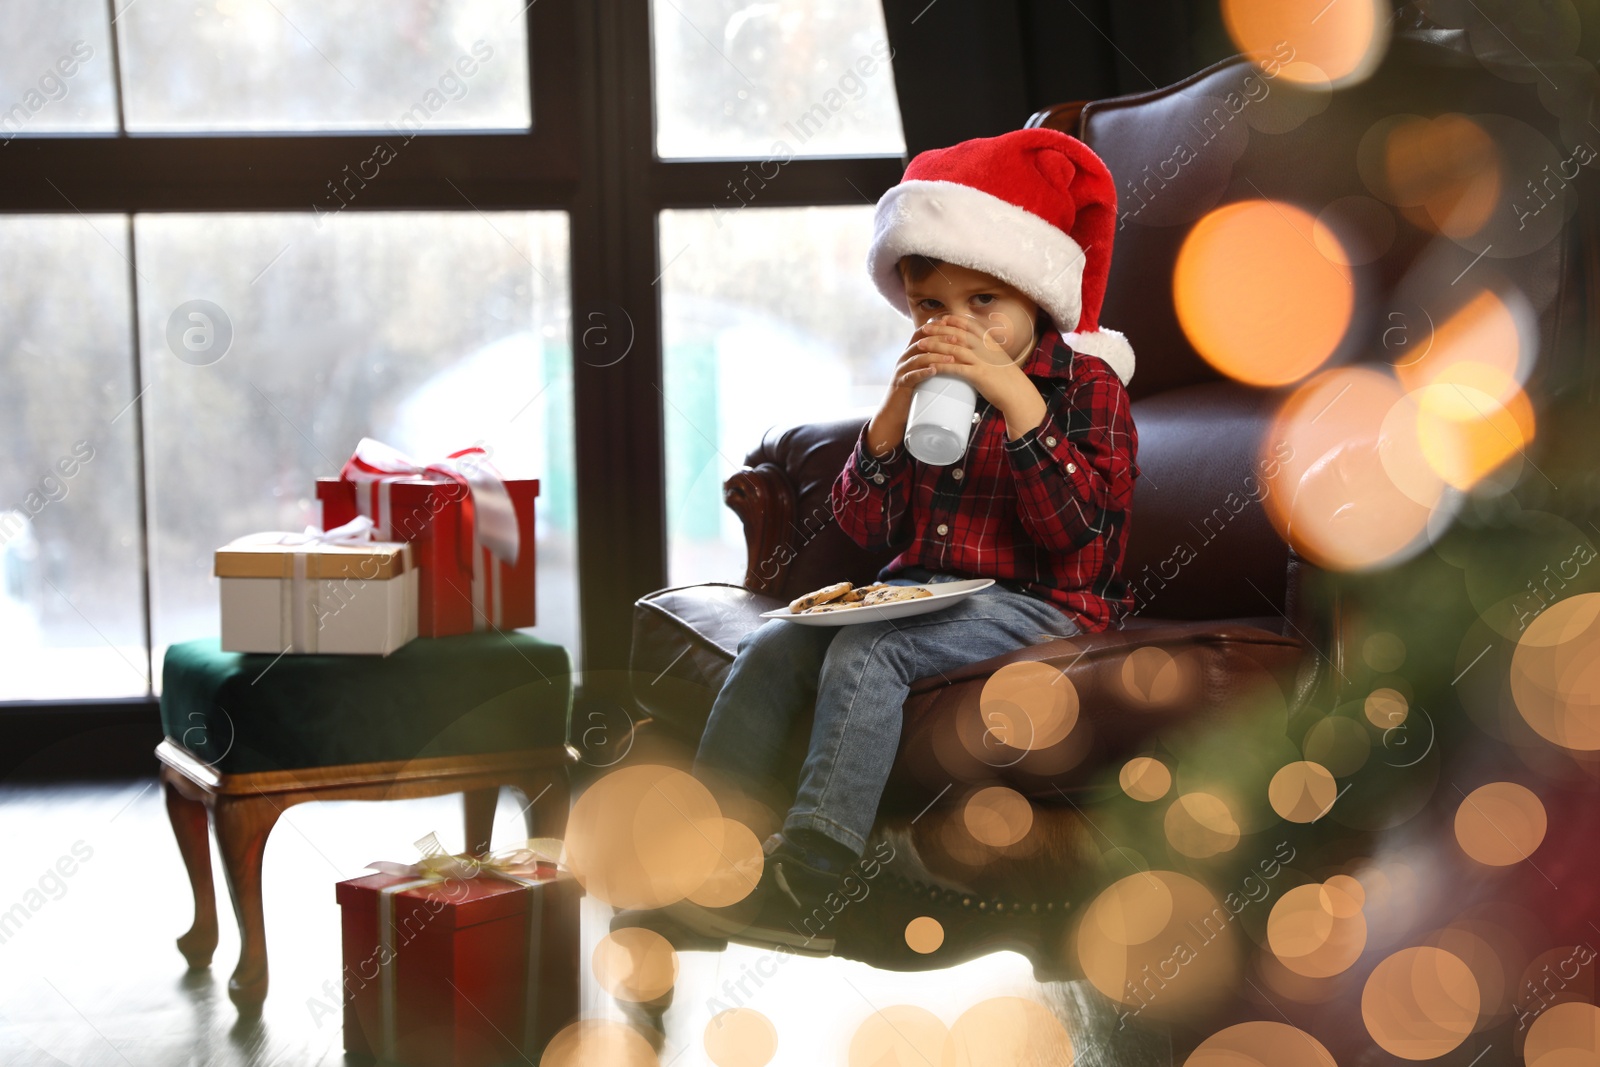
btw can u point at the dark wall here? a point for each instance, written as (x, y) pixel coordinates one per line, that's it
(976, 68)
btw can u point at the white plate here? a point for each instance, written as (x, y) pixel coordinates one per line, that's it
(944, 594)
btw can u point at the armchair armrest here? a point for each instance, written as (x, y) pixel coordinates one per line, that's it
(764, 500)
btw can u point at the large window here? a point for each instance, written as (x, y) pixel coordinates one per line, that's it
(410, 221)
(768, 317)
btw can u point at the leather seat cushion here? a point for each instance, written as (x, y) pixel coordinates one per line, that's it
(1126, 687)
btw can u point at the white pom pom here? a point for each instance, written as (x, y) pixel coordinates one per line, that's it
(1108, 345)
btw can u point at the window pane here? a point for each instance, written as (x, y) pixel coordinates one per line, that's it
(71, 577)
(324, 64)
(773, 80)
(55, 68)
(769, 320)
(430, 331)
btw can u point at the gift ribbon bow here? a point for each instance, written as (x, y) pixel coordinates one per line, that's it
(518, 865)
(357, 531)
(487, 508)
(514, 865)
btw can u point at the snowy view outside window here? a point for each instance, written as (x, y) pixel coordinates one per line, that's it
(71, 602)
(769, 320)
(55, 68)
(324, 65)
(773, 80)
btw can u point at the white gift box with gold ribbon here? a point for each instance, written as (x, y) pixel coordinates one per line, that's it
(315, 592)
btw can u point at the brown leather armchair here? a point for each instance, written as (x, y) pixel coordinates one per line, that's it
(1243, 624)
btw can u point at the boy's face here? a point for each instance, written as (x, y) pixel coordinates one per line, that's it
(1005, 314)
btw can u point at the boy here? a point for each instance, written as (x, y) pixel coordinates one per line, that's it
(998, 249)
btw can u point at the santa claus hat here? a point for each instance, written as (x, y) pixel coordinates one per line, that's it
(1035, 208)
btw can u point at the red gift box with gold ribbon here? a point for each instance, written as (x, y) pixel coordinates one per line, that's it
(471, 532)
(458, 962)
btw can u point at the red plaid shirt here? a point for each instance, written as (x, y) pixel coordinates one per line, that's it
(1046, 514)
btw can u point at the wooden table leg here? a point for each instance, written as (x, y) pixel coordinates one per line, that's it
(545, 802)
(478, 805)
(190, 826)
(243, 823)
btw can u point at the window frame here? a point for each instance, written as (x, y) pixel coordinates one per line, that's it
(591, 153)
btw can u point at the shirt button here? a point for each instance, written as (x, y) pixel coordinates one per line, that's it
(957, 474)
(1050, 442)
(942, 529)
(1072, 468)
(878, 478)
(975, 418)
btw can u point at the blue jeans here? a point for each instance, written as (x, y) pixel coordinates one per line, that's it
(857, 678)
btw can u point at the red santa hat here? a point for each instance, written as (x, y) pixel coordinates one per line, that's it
(1035, 208)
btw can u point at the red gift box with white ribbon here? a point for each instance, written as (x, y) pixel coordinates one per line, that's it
(470, 529)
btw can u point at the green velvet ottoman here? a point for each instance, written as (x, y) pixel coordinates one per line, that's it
(247, 735)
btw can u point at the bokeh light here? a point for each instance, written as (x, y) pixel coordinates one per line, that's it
(1145, 778)
(1004, 1031)
(1317, 931)
(900, 1035)
(1420, 1003)
(1386, 708)
(1470, 942)
(644, 836)
(1153, 677)
(1257, 296)
(593, 1041)
(1566, 1035)
(736, 870)
(1341, 42)
(740, 1037)
(1159, 942)
(997, 816)
(1260, 1044)
(1303, 791)
(1446, 169)
(1500, 823)
(1489, 341)
(1029, 705)
(1200, 825)
(924, 934)
(1465, 433)
(635, 964)
(1555, 673)
(1355, 492)
(1349, 886)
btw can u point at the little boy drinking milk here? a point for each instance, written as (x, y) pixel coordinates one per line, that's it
(998, 250)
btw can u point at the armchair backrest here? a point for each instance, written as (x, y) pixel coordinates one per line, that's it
(1201, 545)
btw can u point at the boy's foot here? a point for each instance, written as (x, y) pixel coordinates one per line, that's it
(787, 908)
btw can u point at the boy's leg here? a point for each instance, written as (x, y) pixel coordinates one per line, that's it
(866, 675)
(773, 681)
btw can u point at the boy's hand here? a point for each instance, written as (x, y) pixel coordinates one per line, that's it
(963, 347)
(915, 365)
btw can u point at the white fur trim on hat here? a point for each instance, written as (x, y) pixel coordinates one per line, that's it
(968, 227)
(1109, 345)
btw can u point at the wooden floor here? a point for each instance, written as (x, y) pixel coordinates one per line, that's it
(89, 974)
